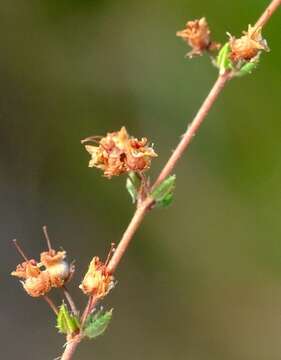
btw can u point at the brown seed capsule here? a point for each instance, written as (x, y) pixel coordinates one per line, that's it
(248, 46)
(118, 153)
(97, 281)
(198, 36)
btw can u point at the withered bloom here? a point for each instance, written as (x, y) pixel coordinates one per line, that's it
(35, 282)
(198, 36)
(58, 269)
(118, 153)
(38, 286)
(248, 46)
(97, 281)
(26, 269)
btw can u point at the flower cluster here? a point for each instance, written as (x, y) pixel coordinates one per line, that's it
(118, 153)
(97, 281)
(38, 278)
(198, 36)
(248, 46)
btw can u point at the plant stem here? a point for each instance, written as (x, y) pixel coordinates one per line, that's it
(168, 168)
(71, 348)
(51, 303)
(193, 127)
(269, 11)
(181, 148)
(146, 204)
(129, 233)
(70, 300)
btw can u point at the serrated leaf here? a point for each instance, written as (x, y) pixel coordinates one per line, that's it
(133, 184)
(247, 69)
(97, 323)
(223, 61)
(67, 323)
(163, 194)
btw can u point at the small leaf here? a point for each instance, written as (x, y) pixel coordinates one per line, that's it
(66, 322)
(163, 194)
(248, 68)
(133, 184)
(97, 323)
(223, 61)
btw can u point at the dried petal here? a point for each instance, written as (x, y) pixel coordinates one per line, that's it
(198, 36)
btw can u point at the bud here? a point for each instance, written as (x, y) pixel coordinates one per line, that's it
(97, 281)
(198, 36)
(248, 46)
(58, 269)
(118, 153)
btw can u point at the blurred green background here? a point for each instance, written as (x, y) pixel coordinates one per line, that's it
(202, 280)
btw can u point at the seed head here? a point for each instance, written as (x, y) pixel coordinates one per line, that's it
(198, 36)
(247, 46)
(118, 153)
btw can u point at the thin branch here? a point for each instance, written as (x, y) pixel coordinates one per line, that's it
(269, 11)
(168, 168)
(48, 240)
(70, 300)
(51, 303)
(180, 149)
(146, 204)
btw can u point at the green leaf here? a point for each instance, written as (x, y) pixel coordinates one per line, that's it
(67, 323)
(163, 194)
(133, 183)
(223, 61)
(248, 68)
(97, 323)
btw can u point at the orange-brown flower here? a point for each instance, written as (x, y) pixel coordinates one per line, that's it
(26, 269)
(248, 46)
(198, 36)
(97, 281)
(58, 269)
(35, 282)
(118, 153)
(39, 285)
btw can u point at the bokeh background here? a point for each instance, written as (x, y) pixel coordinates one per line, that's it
(202, 279)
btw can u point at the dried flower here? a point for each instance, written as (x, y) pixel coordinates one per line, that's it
(26, 269)
(58, 269)
(97, 281)
(197, 35)
(38, 286)
(36, 282)
(248, 46)
(118, 153)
